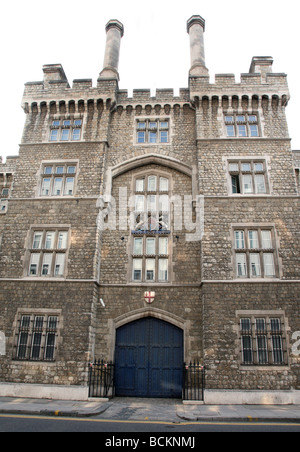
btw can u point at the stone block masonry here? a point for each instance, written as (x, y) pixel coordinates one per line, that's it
(92, 154)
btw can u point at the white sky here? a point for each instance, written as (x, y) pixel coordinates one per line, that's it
(154, 51)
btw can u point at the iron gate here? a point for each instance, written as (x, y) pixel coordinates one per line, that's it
(193, 381)
(101, 379)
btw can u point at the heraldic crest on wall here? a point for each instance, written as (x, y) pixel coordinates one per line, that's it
(149, 297)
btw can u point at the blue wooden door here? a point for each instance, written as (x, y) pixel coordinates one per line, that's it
(149, 359)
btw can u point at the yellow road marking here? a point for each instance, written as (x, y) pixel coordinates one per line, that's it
(114, 421)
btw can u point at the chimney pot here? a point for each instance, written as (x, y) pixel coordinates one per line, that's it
(114, 23)
(195, 20)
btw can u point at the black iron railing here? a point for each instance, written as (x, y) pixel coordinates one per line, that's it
(193, 381)
(101, 379)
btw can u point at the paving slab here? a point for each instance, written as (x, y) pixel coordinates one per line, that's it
(160, 410)
(250, 413)
(51, 407)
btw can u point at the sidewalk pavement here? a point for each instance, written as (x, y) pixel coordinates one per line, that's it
(49, 407)
(241, 413)
(163, 410)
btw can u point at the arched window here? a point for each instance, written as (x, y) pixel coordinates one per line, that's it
(151, 228)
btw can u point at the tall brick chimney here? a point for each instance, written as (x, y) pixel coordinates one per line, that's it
(115, 31)
(196, 28)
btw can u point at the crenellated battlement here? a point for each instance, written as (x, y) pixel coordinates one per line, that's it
(39, 96)
(144, 96)
(250, 85)
(10, 165)
(259, 91)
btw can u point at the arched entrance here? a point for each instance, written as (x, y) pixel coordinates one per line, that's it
(149, 359)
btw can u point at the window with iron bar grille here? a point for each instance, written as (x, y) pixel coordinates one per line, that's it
(263, 341)
(37, 337)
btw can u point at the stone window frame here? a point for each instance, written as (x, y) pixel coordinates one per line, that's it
(151, 234)
(6, 181)
(147, 130)
(58, 126)
(247, 250)
(254, 334)
(41, 343)
(64, 175)
(156, 256)
(240, 172)
(45, 250)
(236, 122)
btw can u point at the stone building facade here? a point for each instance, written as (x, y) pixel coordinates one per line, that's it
(151, 231)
